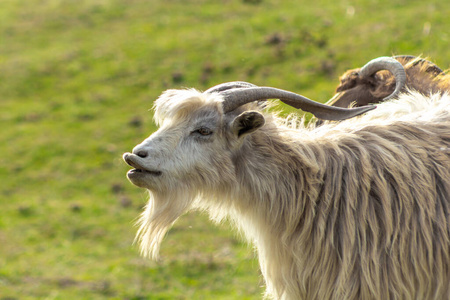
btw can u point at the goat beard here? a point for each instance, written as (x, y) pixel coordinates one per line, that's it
(161, 212)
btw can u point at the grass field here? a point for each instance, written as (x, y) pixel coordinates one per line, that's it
(77, 80)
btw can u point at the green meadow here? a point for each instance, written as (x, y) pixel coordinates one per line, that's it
(77, 82)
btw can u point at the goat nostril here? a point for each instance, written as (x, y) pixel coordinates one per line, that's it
(142, 154)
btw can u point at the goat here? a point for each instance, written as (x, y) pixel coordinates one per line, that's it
(358, 209)
(384, 78)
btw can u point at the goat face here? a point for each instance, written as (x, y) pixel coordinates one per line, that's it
(194, 146)
(189, 157)
(359, 87)
(357, 91)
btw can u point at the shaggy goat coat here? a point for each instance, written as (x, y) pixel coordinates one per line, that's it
(354, 210)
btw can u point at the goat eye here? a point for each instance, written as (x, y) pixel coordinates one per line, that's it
(204, 131)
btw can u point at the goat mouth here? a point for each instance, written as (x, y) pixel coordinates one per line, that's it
(138, 172)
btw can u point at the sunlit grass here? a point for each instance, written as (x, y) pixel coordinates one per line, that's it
(77, 80)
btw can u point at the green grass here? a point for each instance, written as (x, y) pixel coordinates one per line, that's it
(77, 80)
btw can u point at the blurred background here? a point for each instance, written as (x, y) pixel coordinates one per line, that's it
(77, 82)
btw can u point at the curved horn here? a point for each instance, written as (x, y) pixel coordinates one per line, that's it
(240, 96)
(390, 64)
(229, 85)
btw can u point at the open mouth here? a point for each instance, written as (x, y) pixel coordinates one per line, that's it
(138, 169)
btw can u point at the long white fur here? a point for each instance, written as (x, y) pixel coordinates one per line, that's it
(317, 237)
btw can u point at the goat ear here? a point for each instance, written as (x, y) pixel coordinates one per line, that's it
(247, 122)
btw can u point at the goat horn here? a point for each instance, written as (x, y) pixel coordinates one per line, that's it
(390, 64)
(229, 85)
(240, 96)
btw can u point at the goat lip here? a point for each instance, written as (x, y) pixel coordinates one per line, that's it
(140, 172)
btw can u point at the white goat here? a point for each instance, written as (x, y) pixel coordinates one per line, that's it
(354, 210)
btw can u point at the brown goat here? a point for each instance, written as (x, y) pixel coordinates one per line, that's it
(358, 90)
